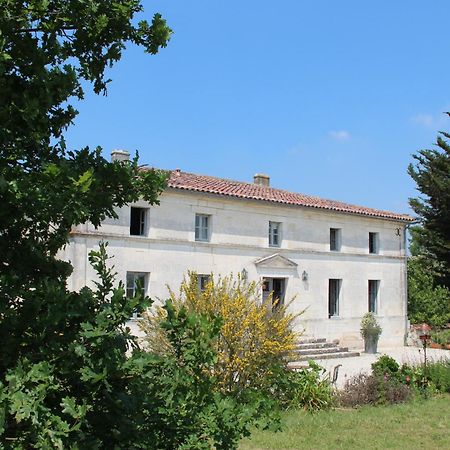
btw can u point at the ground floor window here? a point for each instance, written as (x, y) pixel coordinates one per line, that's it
(373, 289)
(202, 281)
(136, 281)
(276, 287)
(334, 291)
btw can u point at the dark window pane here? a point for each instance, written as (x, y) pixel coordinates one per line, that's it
(137, 222)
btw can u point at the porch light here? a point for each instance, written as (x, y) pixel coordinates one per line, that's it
(244, 274)
(305, 276)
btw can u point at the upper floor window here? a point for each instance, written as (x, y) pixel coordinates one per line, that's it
(373, 295)
(138, 218)
(335, 239)
(202, 227)
(373, 243)
(274, 234)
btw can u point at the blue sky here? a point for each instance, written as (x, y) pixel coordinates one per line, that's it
(330, 98)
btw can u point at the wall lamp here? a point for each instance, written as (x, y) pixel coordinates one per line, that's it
(305, 276)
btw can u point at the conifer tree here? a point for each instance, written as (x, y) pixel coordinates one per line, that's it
(431, 172)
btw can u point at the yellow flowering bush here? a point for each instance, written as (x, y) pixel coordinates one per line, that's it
(255, 339)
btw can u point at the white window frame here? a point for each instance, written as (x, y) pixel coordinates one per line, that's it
(202, 227)
(274, 234)
(336, 241)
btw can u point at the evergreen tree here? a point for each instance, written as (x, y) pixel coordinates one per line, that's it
(431, 172)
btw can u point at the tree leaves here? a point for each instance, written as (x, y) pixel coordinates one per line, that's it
(432, 176)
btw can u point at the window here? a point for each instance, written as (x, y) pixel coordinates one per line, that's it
(135, 281)
(334, 290)
(373, 295)
(202, 280)
(274, 234)
(202, 222)
(137, 221)
(276, 287)
(373, 243)
(335, 239)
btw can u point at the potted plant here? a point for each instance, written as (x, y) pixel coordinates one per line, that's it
(370, 331)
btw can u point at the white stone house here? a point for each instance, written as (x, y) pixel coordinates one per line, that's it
(338, 260)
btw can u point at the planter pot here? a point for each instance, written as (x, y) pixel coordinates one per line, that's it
(371, 344)
(434, 345)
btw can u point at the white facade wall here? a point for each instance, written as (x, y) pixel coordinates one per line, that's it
(239, 237)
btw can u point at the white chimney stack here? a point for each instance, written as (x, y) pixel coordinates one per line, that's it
(120, 155)
(261, 179)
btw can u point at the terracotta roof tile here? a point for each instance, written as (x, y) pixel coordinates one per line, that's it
(220, 186)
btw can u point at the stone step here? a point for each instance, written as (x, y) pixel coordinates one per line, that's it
(315, 345)
(322, 351)
(334, 355)
(311, 340)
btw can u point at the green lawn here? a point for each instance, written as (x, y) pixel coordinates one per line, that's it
(416, 425)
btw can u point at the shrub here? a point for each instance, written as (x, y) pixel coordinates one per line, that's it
(427, 301)
(369, 326)
(435, 377)
(386, 365)
(365, 389)
(439, 375)
(309, 389)
(254, 341)
(181, 409)
(90, 386)
(441, 337)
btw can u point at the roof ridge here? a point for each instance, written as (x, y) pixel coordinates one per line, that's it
(191, 181)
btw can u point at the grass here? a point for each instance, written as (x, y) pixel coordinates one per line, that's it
(419, 425)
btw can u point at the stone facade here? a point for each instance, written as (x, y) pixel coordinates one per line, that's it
(167, 245)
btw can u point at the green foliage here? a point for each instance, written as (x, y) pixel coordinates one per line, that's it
(439, 375)
(385, 365)
(307, 388)
(435, 377)
(441, 337)
(431, 173)
(47, 49)
(427, 302)
(369, 325)
(254, 341)
(371, 389)
(82, 390)
(182, 407)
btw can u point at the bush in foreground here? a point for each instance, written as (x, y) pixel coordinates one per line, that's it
(306, 388)
(254, 341)
(391, 383)
(91, 387)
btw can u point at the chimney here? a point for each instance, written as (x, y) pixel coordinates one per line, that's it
(261, 179)
(120, 155)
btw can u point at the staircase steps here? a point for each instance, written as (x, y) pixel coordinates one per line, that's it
(319, 348)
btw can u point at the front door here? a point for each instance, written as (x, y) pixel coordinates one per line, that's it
(277, 287)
